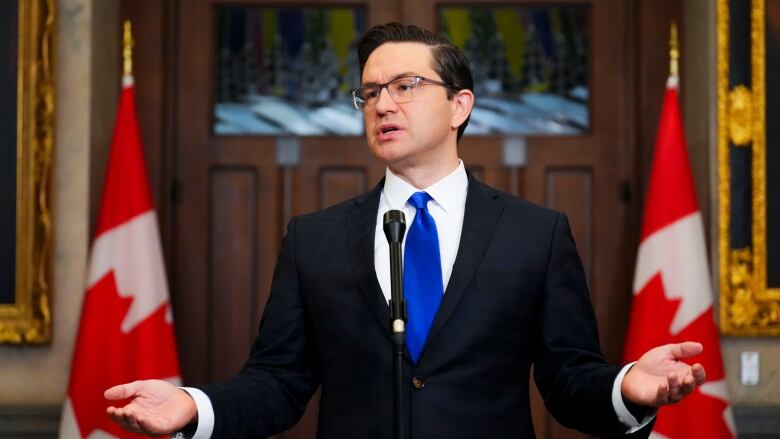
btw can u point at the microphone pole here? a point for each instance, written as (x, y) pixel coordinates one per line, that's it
(394, 226)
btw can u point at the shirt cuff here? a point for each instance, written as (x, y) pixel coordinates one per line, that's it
(624, 415)
(205, 413)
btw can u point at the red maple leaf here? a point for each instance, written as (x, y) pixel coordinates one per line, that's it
(105, 356)
(699, 415)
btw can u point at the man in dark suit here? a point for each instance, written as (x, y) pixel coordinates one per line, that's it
(495, 287)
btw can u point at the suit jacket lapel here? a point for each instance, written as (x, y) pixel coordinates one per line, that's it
(479, 220)
(361, 229)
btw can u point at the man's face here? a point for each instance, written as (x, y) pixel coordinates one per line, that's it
(413, 134)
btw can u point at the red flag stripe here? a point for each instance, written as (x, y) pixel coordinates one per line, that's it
(671, 172)
(126, 188)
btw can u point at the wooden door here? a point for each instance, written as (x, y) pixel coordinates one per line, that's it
(235, 194)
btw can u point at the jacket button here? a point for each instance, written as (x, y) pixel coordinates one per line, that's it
(418, 382)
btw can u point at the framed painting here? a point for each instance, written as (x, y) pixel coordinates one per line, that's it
(287, 70)
(530, 66)
(749, 166)
(26, 146)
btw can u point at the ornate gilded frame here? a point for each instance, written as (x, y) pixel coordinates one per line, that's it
(747, 306)
(28, 319)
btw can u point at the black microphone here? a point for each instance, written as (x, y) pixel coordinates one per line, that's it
(394, 226)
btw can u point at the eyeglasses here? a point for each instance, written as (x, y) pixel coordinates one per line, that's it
(401, 91)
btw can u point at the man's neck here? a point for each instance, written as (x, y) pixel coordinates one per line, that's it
(425, 176)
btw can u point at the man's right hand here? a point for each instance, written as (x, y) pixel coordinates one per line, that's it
(157, 407)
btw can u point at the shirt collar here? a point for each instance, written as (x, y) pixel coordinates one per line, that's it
(449, 192)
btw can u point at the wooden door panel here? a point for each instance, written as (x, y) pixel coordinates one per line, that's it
(484, 157)
(232, 271)
(339, 183)
(242, 240)
(331, 171)
(570, 189)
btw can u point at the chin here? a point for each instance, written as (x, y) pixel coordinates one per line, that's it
(389, 152)
(391, 155)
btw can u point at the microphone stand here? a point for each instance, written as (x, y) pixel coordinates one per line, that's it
(394, 226)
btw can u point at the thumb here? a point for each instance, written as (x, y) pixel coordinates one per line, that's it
(123, 391)
(686, 349)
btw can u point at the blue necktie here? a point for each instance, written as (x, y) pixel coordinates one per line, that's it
(423, 286)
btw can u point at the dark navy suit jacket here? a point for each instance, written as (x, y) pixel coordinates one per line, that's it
(517, 297)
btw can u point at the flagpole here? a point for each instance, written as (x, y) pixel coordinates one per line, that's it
(127, 51)
(674, 52)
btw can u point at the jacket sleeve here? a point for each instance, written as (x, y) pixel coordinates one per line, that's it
(570, 371)
(271, 391)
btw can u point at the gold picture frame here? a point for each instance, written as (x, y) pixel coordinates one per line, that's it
(747, 306)
(27, 320)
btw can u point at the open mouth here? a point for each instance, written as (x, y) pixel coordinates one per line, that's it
(388, 128)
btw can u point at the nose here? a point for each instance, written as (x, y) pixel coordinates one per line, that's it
(385, 103)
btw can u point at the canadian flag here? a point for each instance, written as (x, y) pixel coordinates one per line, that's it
(126, 329)
(672, 299)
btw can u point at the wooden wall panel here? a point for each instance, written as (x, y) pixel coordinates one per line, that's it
(483, 158)
(339, 183)
(332, 171)
(570, 190)
(232, 280)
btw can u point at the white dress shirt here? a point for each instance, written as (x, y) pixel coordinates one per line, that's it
(447, 208)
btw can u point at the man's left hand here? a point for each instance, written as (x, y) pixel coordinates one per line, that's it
(660, 378)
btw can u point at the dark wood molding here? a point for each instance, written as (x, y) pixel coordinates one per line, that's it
(42, 421)
(757, 422)
(29, 421)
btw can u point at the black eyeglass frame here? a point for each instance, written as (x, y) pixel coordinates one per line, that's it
(378, 88)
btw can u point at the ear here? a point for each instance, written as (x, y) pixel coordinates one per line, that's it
(462, 103)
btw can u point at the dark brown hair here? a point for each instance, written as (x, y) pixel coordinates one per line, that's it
(448, 61)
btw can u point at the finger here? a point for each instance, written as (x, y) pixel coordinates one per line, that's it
(111, 412)
(675, 388)
(115, 413)
(688, 384)
(118, 416)
(699, 374)
(132, 417)
(686, 349)
(122, 391)
(131, 423)
(662, 395)
(131, 420)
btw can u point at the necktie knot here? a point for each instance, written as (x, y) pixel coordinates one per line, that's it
(419, 200)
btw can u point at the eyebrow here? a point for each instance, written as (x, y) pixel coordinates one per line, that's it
(400, 75)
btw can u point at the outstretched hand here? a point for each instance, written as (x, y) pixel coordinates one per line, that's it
(660, 378)
(157, 407)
